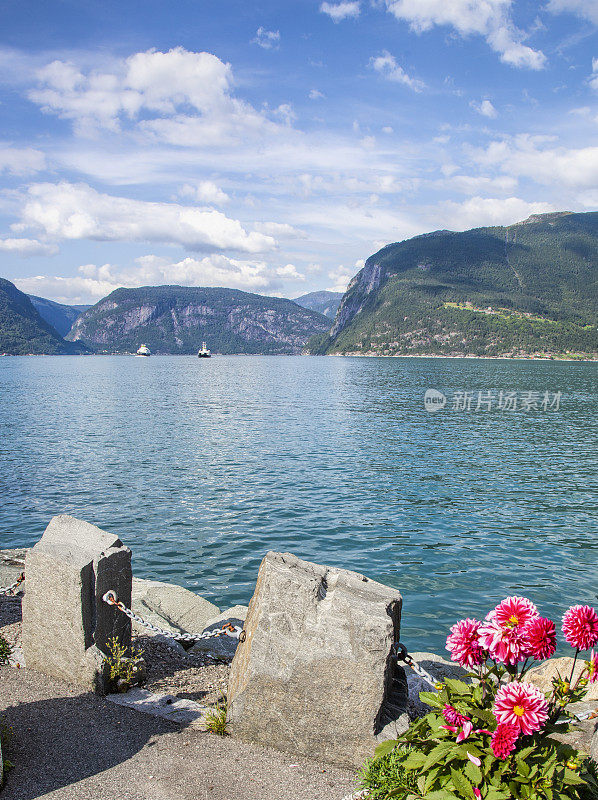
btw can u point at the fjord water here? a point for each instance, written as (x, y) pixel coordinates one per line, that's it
(201, 466)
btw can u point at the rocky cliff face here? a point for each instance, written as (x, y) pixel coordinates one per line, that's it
(176, 319)
(525, 289)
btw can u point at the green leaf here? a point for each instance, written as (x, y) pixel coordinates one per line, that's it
(385, 747)
(473, 773)
(442, 794)
(437, 754)
(458, 686)
(572, 778)
(496, 794)
(462, 785)
(484, 714)
(414, 760)
(431, 699)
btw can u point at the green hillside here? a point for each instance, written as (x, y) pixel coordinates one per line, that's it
(58, 315)
(177, 319)
(22, 329)
(527, 289)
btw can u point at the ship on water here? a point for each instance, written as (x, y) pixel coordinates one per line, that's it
(204, 352)
(143, 351)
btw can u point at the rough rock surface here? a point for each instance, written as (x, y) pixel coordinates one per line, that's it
(66, 624)
(172, 607)
(12, 563)
(222, 647)
(439, 668)
(315, 669)
(543, 674)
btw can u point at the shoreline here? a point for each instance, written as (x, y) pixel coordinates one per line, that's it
(569, 360)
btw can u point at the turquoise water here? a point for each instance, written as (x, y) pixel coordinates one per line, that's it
(201, 466)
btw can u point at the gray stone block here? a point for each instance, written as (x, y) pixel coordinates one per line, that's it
(315, 670)
(66, 624)
(172, 607)
(223, 647)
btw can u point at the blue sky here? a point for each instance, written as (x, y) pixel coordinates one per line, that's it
(273, 146)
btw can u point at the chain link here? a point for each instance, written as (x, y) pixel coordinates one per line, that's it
(10, 589)
(401, 654)
(228, 629)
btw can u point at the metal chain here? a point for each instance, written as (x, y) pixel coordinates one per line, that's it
(228, 629)
(400, 653)
(10, 589)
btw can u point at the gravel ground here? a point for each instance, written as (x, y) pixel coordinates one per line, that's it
(72, 746)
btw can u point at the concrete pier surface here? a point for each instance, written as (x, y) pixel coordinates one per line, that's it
(72, 746)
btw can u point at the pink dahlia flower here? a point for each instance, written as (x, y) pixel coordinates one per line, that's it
(541, 638)
(507, 645)
(593, 667)
(521, 705)
(514, 612)
(580, 626)
(452, 716)
(503, 739)
(463, 644)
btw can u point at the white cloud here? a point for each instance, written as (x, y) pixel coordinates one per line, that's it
(289, 271)
(386, 65)
(340, 278)
(269, 40)
(205, 192)
(485, 108)
(76, 211)
(468, 184)
(587, 9)
(530, 157)
(280, 229)
(27, 247)
(21, 160)
(593, 79)
(182, 97)
(480, 211)
(340, 11)
(316, 94)
(488, 18)
(94, 282)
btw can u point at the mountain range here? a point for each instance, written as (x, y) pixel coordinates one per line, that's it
(526, 289)
(58, 315)
(323, 302)
(23, 330)
(176, 319)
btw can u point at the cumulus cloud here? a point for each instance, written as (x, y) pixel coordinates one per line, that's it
(489, 18)
(316, 94)
(587, 9)
(386, 65)
(280, 229)
(96, 281)
(340, 278)
(536, 158)
(340, 11)
(21, 160)
(177, 96)
(269, 40)
(468, 184)
(485, 108)
(482, 211)
(205, 192)
(76, 211)
(27, 247)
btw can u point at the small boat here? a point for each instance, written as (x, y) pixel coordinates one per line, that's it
(204, 352)
(143, 351)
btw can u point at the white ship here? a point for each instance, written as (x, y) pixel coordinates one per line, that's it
(143, 351)
(204, 352)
